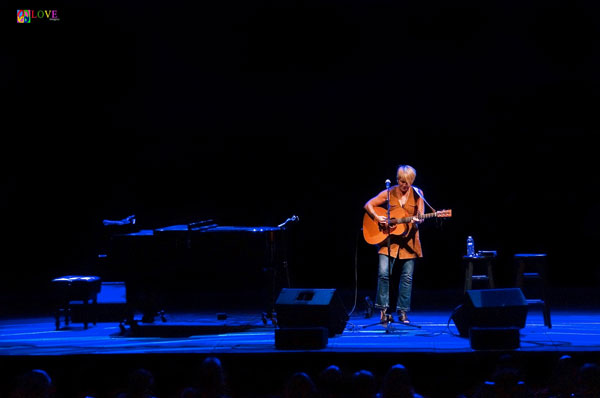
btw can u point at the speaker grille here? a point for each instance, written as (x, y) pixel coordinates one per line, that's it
(491, 308)
(297, 308)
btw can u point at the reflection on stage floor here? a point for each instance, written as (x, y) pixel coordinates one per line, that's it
(246, 332)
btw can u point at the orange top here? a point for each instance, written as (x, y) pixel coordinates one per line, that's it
(408, 246)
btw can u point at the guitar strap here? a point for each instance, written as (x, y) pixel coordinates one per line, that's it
(420, 193)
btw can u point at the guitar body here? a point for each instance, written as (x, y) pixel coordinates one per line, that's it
(400, 223)
(375, 234)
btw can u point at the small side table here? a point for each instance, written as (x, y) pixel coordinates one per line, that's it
(479, 268)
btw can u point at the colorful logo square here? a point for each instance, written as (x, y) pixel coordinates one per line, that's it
(23, 16)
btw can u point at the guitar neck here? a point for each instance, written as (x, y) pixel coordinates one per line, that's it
(409, 219)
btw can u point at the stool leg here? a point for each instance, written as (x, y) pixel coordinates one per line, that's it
(67, 315)
(57, 318)
(547, 321)
(490, 276)
(95, 310)
(542, 273)
(469, 276)
(85, 313)
(520, 271)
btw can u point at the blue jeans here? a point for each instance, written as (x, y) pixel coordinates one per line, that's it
(407, 267)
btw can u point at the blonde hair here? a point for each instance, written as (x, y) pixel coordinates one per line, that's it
(407, 172)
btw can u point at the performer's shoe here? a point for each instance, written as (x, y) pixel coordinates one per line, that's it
(385, 318)
(402, 317)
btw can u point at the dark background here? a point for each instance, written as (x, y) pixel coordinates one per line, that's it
(248, 112)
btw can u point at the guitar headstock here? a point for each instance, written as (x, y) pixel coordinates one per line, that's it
(443, 213)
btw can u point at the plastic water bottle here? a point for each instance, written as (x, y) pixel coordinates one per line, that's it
(470, 247)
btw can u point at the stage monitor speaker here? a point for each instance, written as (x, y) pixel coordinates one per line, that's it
(495, 308)
(306, 308)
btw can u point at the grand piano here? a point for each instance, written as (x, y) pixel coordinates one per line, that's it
(200, 265)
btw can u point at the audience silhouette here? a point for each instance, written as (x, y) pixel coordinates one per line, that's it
(210, 381)
(35, 383)
(330, 382)
(397, 383)
(505, 382)
(567, 379)
(562, 381)
(588, 381)
(140, 385)
(300, 385)
(363, 385)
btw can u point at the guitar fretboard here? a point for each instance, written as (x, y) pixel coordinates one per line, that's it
(422, 216)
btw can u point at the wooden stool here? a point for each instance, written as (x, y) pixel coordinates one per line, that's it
(479, 268)
(531, 271)
(72, 289)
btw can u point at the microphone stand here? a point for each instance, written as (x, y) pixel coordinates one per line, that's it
(387, 186)
(389, 244)
(277, 251)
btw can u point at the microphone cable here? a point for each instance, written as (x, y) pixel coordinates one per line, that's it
(355, 272)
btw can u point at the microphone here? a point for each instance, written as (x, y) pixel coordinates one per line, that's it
(387, 183)
(292, 218)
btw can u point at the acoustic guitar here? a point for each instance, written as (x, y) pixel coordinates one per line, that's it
(399, 223)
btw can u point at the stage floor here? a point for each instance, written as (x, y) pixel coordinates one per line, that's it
(245, 332)
(442, 364)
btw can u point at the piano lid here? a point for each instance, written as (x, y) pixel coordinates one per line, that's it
(224, 228)
(203, 229)
(141, 232)
(185, 227)
(217, 228)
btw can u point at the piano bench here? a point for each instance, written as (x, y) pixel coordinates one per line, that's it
(76, 289)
